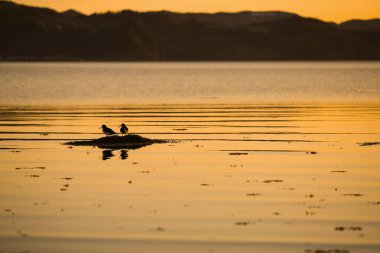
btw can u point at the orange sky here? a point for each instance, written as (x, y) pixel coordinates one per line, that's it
(328, 10)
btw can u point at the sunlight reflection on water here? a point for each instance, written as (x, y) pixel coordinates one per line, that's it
(97, 83)
(285, 177)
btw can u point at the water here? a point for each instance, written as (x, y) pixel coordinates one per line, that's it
(271, 174)
(121, 83)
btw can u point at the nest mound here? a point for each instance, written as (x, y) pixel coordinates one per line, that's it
(130, 141)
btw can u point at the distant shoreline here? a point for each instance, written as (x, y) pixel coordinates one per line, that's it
(179, 61)
(41, 34)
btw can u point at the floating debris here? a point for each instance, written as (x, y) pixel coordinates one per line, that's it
(235, 165)
(314, 207)
(32, 175)
(238, 153)
(144, 171)
(353, 194)
(159, 229)
(242, 223)
(309, 213)
(66, 178)
(19, 232)
(31, 168)
(253, 194)
(368, 143)
(348, 228)
(179, 129)
(375, 203)
(273, 181)
(311, 152)
(41, 203)
(338, 171)
(65, 186)
(206, 184)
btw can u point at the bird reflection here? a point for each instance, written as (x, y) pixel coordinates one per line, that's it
(107, 154)
(123, 154)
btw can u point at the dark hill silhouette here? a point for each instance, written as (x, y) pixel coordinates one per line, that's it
(372, 25)
(30, 33)
(236, 20)
(72, 13)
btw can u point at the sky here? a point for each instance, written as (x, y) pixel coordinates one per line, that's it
(327, 10)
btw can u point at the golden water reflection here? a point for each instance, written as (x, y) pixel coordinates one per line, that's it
(279, 174)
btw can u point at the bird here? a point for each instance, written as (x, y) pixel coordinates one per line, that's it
(123, 129)
(107, 131)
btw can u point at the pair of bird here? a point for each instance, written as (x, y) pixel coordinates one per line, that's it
(108, 131)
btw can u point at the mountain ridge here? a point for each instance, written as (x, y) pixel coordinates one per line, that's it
(33, 33)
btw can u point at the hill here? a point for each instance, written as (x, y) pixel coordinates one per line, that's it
(372, 25)
(30, 33)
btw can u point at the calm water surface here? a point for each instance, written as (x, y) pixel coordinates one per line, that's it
(257, 176)
(110, 83)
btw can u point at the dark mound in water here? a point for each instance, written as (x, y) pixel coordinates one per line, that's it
(131, 141)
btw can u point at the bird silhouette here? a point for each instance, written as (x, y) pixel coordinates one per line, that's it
(107, 131)
(123, 129)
